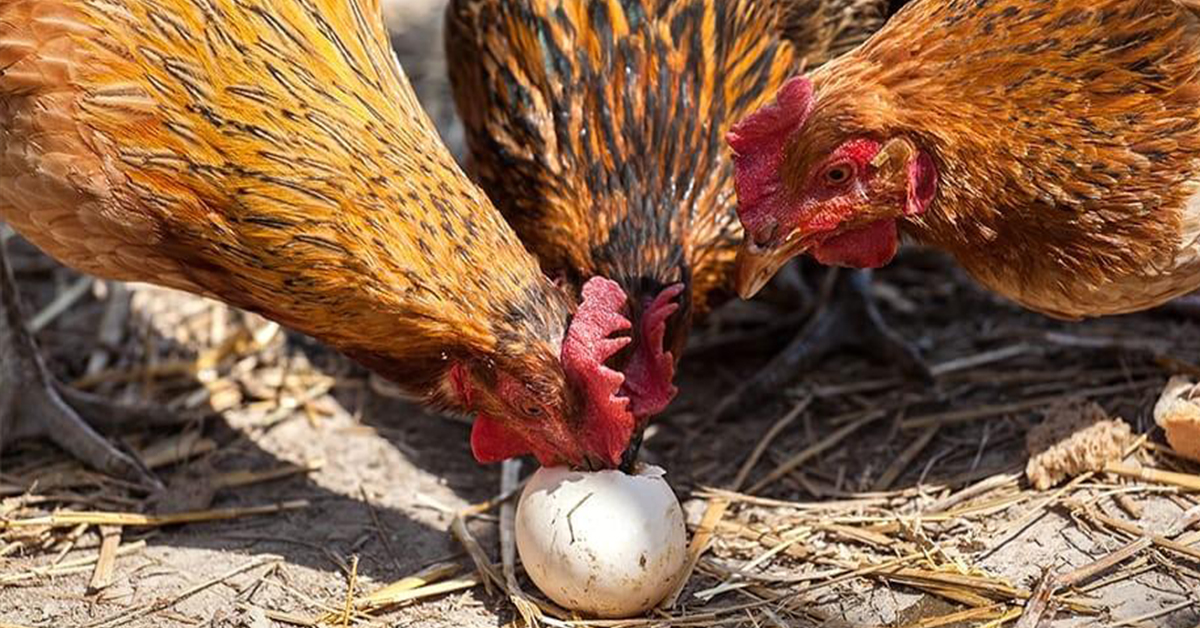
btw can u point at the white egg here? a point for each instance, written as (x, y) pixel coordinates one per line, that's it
(605, 543)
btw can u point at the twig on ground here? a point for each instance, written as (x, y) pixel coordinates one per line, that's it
(69, 518)
(352, 582)
(60, 304)
(814, 450)
(380, 529)
(905, 459)
(106, 560)
(141, 610)
(701, 540)
(767, 439)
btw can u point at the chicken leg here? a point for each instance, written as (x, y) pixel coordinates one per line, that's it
(846, 317)
(35, 404)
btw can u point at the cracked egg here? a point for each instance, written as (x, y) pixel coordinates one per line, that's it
(602, 543)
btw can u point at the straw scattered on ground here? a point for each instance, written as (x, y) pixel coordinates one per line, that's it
(300, 491)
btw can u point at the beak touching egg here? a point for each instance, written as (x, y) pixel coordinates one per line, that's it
(606, 543)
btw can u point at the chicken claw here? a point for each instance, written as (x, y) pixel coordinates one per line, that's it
(847, 318)
(34, 404)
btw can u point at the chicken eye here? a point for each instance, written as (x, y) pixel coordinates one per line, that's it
(839, 173)
(532, 410)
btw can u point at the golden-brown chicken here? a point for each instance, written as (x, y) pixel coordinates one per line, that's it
(597, 127)
(270, 153)
(1052, 147)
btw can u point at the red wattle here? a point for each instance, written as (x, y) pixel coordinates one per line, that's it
(491, 441)
(871, 246)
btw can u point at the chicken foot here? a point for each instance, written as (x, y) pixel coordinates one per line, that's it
(35, 404)
(847, 317)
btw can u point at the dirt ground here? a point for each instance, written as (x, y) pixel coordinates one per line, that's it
(387, 477)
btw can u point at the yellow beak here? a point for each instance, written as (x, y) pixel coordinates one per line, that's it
(757, 265)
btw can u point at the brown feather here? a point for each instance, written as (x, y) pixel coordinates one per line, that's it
(1066, 135)
(272, 154)
(597, 126)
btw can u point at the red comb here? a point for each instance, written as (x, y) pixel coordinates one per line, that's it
(773, 122)
(651, 371)
(758, 141)
(585, 348)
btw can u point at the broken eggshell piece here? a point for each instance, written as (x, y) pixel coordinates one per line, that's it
(602, 543)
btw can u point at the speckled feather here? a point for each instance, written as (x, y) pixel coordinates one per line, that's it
(271, 154)
(1067, 138)
(597, 126)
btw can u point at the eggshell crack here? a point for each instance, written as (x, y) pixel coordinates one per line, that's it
(605, 543)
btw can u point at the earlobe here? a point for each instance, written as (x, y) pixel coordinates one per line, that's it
(458, 383)
(922, 184)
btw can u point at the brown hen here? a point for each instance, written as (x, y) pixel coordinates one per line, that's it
(1052, 147)
(597, 128)
(271, 153)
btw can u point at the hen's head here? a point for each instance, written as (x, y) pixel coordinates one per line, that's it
(573, 409)
(811, 177)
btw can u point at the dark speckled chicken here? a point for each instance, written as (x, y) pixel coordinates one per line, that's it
(597, 127)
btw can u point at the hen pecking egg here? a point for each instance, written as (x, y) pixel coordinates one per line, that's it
(602, 543)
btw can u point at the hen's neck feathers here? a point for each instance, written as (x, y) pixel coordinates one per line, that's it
(598, 127)
(1067, 134)
(268, 153)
